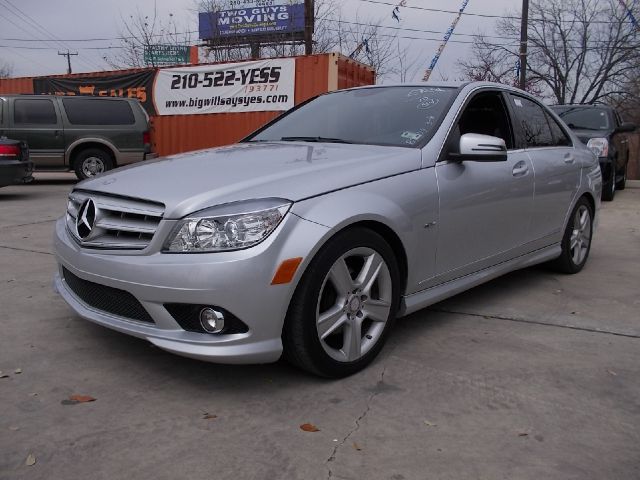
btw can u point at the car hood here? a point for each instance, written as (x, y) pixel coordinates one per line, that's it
(188, 182)
(586, 135)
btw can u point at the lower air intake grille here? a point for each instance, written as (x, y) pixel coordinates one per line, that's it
(108, 299)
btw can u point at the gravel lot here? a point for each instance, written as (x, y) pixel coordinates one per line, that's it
(532, 376)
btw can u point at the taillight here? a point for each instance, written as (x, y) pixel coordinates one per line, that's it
(9, 151)
(146, 137)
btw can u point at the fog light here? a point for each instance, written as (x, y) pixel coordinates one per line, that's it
(211, 320)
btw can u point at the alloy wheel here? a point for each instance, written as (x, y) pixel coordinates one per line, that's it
(92, 166)
(581, 235)
(354, 304)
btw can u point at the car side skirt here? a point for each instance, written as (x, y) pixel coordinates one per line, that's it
(416, 301)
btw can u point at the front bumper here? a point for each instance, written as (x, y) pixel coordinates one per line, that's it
(236, 281)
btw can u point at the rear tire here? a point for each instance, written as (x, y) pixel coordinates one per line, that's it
(623, 181)
(576, 241)
(609, 188)
(344, 306)
(91, 162)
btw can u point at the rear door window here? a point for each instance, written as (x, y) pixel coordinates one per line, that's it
(532, 121)
(96, 111)
(34, 111)
(560, 137)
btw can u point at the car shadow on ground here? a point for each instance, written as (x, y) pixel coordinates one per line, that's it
(53, 181)
(200, 377)
(155, 366)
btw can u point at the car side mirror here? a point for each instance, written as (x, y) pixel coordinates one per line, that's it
(626, 127)
(475, 147)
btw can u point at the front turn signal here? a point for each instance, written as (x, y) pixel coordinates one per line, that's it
(286, 271)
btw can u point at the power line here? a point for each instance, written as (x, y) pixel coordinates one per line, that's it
(487, 15)
(345, 22)
(20, 47)
(34, 25)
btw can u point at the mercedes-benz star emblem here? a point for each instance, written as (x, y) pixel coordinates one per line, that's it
(86, 218)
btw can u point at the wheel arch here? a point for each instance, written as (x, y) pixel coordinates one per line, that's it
(76, 147)
(590, 199)
(394, 242)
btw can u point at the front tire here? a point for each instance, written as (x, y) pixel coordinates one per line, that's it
(345, 305)
(91, 162)
(576, 242)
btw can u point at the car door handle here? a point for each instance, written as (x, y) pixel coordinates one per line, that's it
(568, 158)
(520, 169)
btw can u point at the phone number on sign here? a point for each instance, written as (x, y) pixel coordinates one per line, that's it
(253, 76)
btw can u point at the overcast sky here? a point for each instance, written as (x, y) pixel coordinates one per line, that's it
(72, 19)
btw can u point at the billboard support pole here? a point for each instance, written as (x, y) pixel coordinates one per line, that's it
(255, 50)
(308, 27)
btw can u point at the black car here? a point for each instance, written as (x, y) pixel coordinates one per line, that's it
(604, 132)
(15, 166)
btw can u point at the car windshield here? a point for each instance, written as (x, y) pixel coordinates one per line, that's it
(584, 118)
(394, 116)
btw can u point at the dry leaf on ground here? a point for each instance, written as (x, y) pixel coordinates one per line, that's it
(208, 416)
(75, 399)
(356, 446)
(308, 427)
(31, 460)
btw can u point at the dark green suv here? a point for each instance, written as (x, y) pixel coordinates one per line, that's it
(88, 135)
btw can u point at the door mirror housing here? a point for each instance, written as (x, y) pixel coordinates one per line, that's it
(475, 147)
(626, 127)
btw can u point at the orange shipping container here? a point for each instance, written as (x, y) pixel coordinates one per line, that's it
(314, 74)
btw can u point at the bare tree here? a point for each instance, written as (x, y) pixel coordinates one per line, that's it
(139, 32)
(6, 70)
(580, 51)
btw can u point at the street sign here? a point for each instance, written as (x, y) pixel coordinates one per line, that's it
(166, 54)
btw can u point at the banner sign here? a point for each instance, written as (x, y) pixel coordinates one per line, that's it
(130, 85)
(259, 86)
(253, 18)
(166, 54)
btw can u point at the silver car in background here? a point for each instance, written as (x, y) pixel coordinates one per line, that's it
(312, 235)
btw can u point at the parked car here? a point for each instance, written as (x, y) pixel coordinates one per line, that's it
(88, 135)
(15, 166)
(604, 132)
(313, 234)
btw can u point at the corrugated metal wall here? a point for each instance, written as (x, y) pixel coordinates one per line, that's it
(315, 74)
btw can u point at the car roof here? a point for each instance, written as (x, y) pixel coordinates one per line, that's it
(455, 84)
(36, 95)
(582, 106)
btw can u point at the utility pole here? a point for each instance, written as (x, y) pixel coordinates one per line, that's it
(524, 39)
(308, 26)
(68, 55)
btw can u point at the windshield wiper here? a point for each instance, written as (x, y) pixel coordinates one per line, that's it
(314, 139)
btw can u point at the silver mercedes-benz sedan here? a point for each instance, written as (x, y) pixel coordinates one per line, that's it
(308, 238)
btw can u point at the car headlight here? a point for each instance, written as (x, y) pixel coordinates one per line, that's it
(232, 226)
(599, 146)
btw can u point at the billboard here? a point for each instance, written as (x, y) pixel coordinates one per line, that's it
(129, 85)
(263, 18)
(258, 86)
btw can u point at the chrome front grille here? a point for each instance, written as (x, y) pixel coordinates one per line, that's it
(118, 223)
